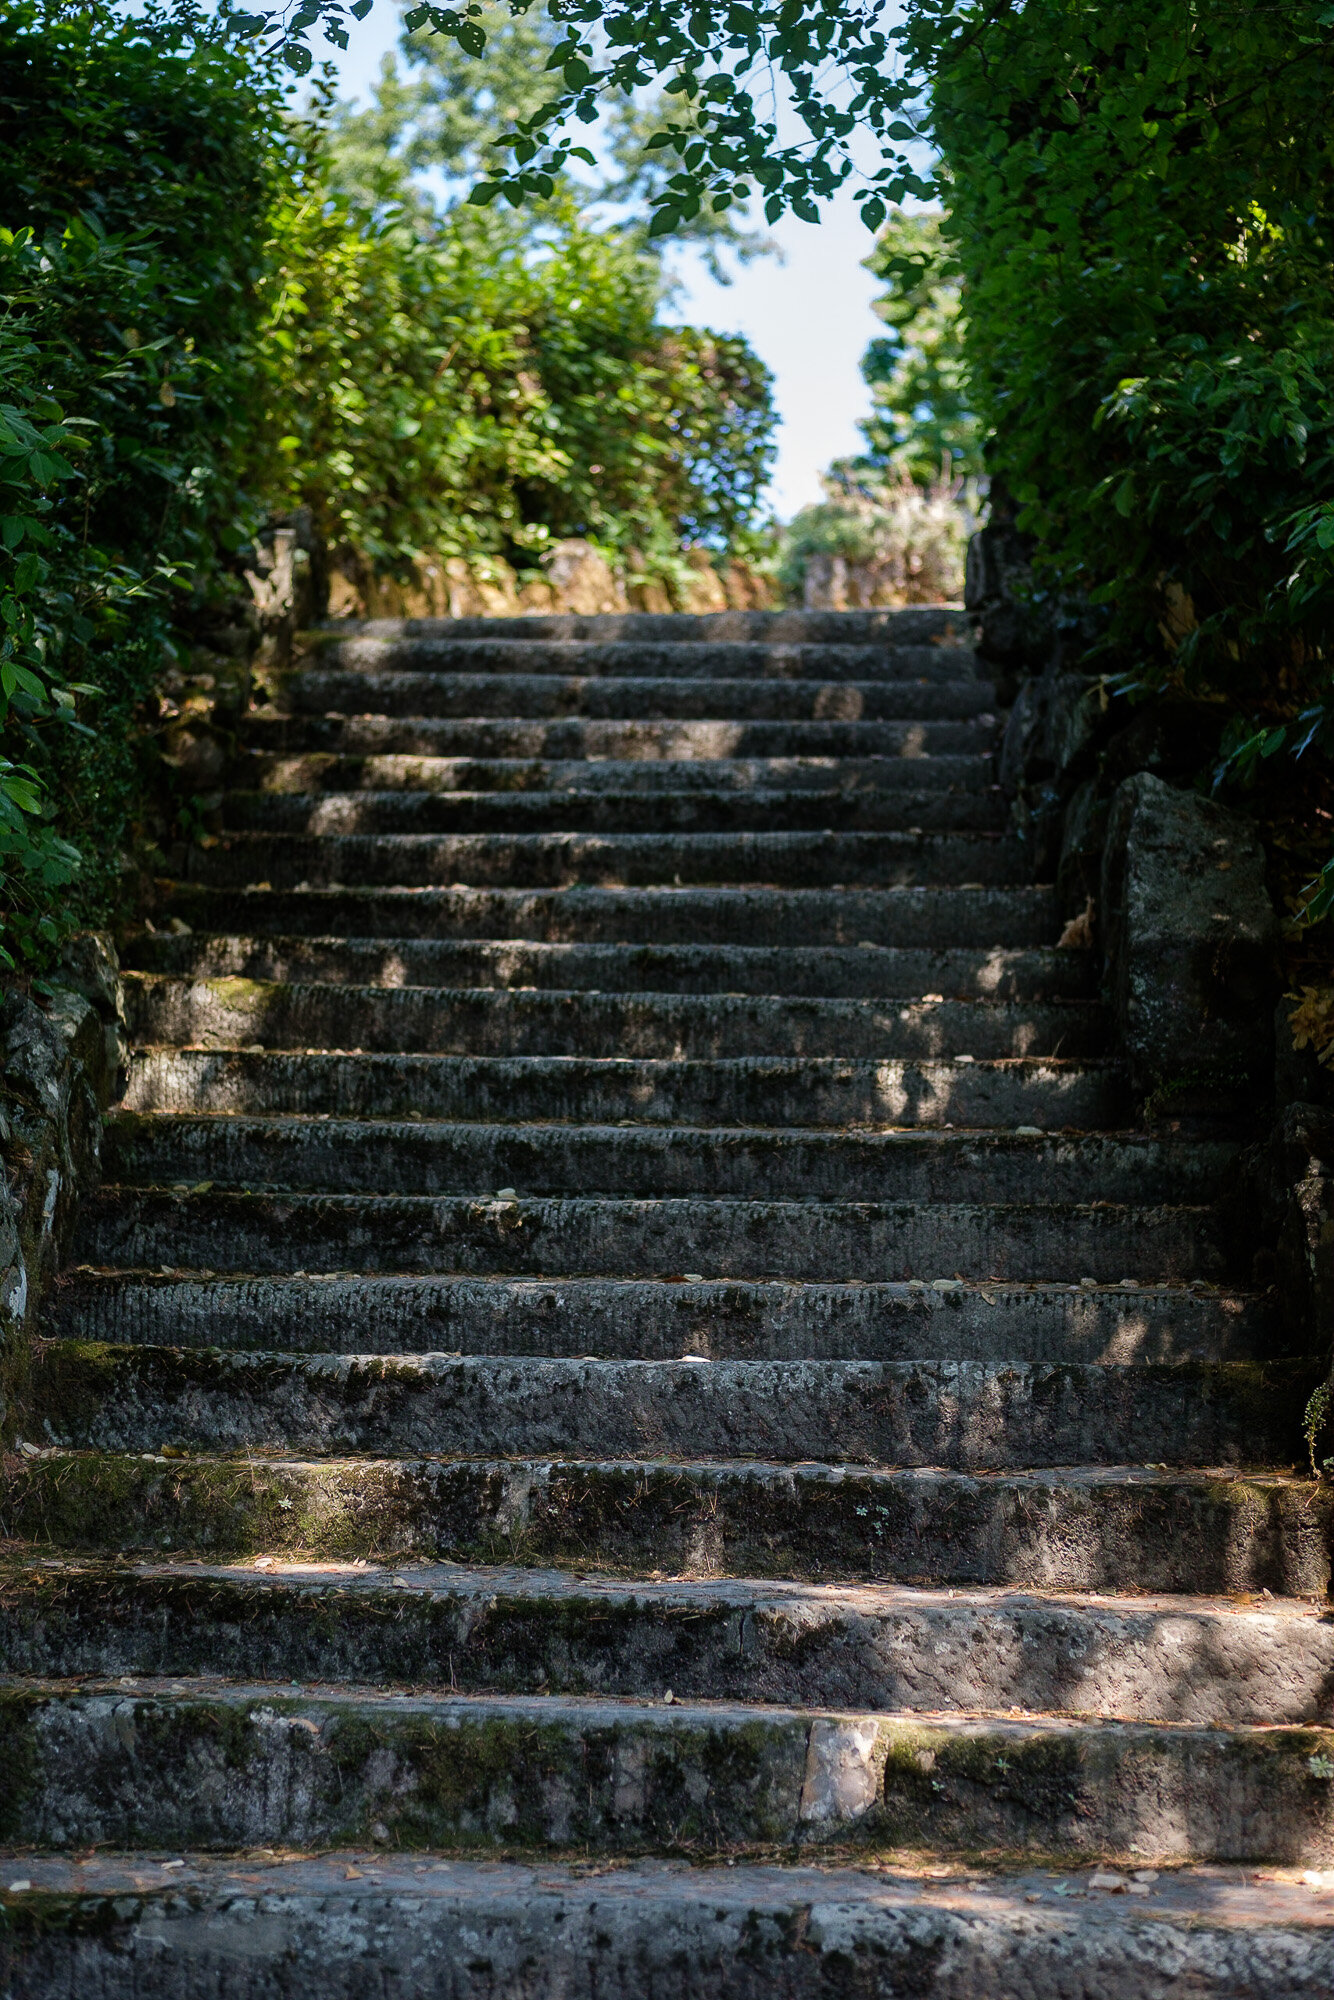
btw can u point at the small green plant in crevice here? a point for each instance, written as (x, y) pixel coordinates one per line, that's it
(1315, 1421)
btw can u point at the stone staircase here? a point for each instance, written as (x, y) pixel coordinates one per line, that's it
(634, 1416)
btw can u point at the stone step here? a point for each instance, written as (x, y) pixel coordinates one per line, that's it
(493, 1630)
(902, 625)
(557, 860)
(241, 1015)
(970, 1416)
(225, 1765)
(321, 771)
(947, 715)
(229, 1230)
(620, 659)
(347, 1923)
(748, 1090)
(636, 812)
(646, 739)
(651, 1319)
(1078, 1528)
(751, 1163)
(1005, 919)
(1039, 979)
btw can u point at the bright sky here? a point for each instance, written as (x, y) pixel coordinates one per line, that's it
(809, 317)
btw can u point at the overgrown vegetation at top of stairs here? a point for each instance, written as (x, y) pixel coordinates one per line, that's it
(204, 325)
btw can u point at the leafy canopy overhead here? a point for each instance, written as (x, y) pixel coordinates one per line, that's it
(792, 100)
(436, 108)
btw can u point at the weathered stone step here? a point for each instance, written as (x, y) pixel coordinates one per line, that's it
(228, 1765)
(656, 1320)
(643, 740)
(321, 771)
(441, 1157)
(620, 659)
(968, 1415)
(226, 1229)
(876, 1646)
(949, 715)
(810, 918)
(901, 625)
(748, 1090)
(654, 1931)
(1039, 979)
(240, 1015)
(554, 860)
(692, 811)
(1081, 1528)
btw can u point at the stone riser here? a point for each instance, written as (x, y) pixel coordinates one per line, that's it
(229, 1767)
(612, 812)
(1082, 1530)
(122, 1931)
(999, 919)
(654, 1321)
(949, 716)
(511, 778)
(507, 1632)
(1045, 980)
(754, 1090)
(614, 659)
(228, 1230)
(367, 1156)
(537, 860)
(962, 1415)
(234, 1015)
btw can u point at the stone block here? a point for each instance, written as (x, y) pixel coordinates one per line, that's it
(1191, 942)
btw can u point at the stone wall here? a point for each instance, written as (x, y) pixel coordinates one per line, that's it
(1170, 890)
(577, 579)
(61, 1053)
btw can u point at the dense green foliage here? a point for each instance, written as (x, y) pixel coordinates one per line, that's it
(482, 383)
(1143, 210)
(1139, 204)
(443, 111)
(203, 321)
(922, 420)
(137, 170)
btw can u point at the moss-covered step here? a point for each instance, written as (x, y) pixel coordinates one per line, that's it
(445, 1156)
(952, 716)
(640, 739)
(663, 659)
(1040, 997)
(657, 1320)
(923, 917)
(556, 860)
(321, 771)
(1082, 1529)
(882, 1646)
(230, 1765)
(613, 812)
(738, 1091)
(970, 1415)
(216, 1228)
(233, 1013)
(339, 1926)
